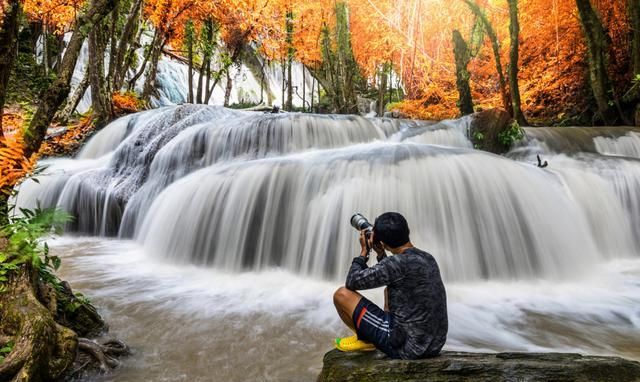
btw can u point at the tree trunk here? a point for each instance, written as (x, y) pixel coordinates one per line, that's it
(319, 94)
(42, 349)
(149, 87)
(45, 49)
(59, 49)
(100, 94)
(514, 32)
(201, 75)
(4, 204)
(113, 42)
(313, 84)
(216, 79)
(290, 52)
(73, 101)
(634, 16)
(227, 90)
(143, 66)
(597, 41)
(284, 67)
(382, 87)
(208, 90)
(327, 75)
(495, 45)
(57, 92)
(348, 74)
(289, 87)
(127, 37)
(304, 89)
(44, 323)
(462, 57)
(390, 79)
(9, 44)
(189, 37)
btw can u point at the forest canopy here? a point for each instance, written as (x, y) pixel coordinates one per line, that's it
(544, 61)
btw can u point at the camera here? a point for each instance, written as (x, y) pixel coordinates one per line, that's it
(359, 222)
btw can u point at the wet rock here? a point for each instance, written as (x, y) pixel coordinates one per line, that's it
(365, 105)
(486, 129)
(395, 114)
(478, 367)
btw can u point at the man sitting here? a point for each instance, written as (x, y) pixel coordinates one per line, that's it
(414, 321)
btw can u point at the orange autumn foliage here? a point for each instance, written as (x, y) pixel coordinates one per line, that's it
(124, 103)
(413, 37)
(56, 15)
(69, 141)
(14, 166)
(3, 7)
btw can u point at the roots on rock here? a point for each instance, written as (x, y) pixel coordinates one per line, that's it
(93, 355)
(43, 324)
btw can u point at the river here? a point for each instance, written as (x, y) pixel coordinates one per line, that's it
(212, 240)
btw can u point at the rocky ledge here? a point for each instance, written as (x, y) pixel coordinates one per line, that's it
(478, 367)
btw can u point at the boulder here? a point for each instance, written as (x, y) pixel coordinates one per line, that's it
(492, 130)
(366, 105)
(478, 367)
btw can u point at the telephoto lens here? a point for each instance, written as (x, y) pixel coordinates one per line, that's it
(359, 222)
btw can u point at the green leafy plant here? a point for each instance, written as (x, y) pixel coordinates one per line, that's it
(478, 138)
(24, 243)
(6, 349)
(511, 135)
(75, 304)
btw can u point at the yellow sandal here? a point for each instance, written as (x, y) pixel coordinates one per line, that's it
(353, 344)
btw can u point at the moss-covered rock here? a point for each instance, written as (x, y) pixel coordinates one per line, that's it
(478, 367)
(494, 131)
(39, 331)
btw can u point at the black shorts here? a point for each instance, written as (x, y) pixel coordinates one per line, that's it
(374, 325)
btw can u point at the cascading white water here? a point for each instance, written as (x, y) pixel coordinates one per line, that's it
(166, 144)
(240, 222)
(627, 145)
(615, 141)
(293, 212)
(241, 190)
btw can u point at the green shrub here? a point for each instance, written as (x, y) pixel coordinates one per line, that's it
(24, 243)
(511, 135)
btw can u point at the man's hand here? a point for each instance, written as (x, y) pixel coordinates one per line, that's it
(377, 246)
(364, 250)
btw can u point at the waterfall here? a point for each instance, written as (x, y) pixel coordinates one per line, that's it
(172, 81)
(249, 191)
(616, 141)
(627, 145)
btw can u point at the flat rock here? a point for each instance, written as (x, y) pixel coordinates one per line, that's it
(478, 367)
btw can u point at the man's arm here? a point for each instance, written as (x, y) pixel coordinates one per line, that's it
(384, 273)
